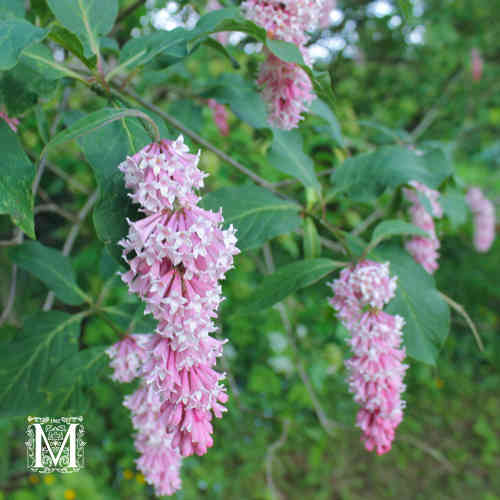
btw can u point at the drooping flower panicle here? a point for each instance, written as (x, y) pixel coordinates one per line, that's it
(176, 254)
(287, 89)
(376, 369)
(484, 219)
(424, 250)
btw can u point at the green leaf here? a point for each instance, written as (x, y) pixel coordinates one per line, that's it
(219, 47)
(257, 214)
(81, 369)
(454, 206)
(365, 177)
(286, 51)
(18, 173)
(105, 149)
(30, 78)
(40, 58)
(70, 42)
(394, 227)
(288, 156)
(417, 300)
(321, 109)
(141, 50)
(288, 279)
(312, 242)
(245, 102)
(92, 122)
(27, 362)
(88, 19)
(15, 35)
(51, 267)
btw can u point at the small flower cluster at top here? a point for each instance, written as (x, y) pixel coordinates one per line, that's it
(287, 89)
(424, 250)
(376, 370)
(11, 122)
(176, 254)
(484, 219)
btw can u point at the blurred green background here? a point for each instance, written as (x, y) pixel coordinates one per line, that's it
(396, 79)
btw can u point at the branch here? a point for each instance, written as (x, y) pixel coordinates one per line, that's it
(426, 448)
(194, 136)
(11, 298)
(460, 310)
(270, 457)
(71, 238)
(128, 10)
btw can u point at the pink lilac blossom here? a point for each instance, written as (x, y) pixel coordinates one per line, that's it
(177, 254)
(484, 219)
(424, 250)
(221, 116)
(286, 88)
(376, 369)
(477, 64)
(11, 122)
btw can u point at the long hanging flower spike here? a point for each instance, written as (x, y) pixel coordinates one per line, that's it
(176, 253)
(484, 219)
(424, 250)
(376, 369)
(287, 89)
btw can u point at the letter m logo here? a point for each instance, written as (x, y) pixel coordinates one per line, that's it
(55, 445)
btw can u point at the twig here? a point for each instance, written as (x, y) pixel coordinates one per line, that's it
(195, 137)
(364, 225)
(436, 454)
(460, 310)
(11, 298)
(270, 457)
(52, 207)
(70, 240)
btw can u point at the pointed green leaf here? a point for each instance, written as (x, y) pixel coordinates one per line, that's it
(288, 156)
(88, 19)
(94, 121)
(27, 361)
(52, 267)
(81, 369)
(15, 35)
(321, 109)
(288, 279)
(394, 227)
(365, 177)
(417, 300)
(257, 214)
(18, 173)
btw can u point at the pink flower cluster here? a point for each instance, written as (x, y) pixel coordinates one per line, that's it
(287, 88)
(376, 370)
(324, 16)
(11, 122)
(484, 219)
(176, 254)
(221, 116)
(424, 250)
(477, 64)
